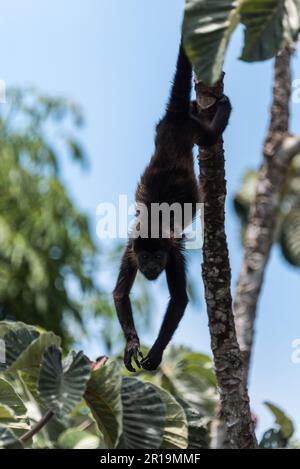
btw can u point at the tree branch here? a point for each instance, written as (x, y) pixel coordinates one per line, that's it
(234, 400)
(37, 427)
(279, 148)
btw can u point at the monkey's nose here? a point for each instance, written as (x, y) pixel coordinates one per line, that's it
(152, 271)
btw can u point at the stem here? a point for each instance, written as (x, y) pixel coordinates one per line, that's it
(37, 427)
(263, 213)
(234, 400)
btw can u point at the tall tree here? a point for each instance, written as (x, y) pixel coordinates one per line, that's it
(234, 400)
(279, 148)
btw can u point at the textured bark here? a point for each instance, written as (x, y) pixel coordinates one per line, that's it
(263, 214)
(234, 401)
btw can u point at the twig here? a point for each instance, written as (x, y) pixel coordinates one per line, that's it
(37, 427)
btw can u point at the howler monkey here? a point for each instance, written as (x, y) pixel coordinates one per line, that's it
(169, 178)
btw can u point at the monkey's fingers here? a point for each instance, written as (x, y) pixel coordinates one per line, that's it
(141, 355)
(136, 358)
(146, 363)
(127, 363)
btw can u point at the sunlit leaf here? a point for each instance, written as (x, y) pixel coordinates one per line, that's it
(207, 27)
(78, 439)
(103, 395)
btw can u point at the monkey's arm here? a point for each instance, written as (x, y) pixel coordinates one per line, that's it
(175, 272)
(121, 292)
(207, 133)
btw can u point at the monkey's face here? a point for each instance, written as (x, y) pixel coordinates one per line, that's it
(151, 264)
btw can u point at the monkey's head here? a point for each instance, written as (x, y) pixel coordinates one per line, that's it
(151, 256)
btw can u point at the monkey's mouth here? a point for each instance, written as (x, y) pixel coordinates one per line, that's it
(151, 275)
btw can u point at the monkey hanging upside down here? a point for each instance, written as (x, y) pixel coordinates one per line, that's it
(169, 178)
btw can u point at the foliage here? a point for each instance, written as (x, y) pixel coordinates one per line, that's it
(288, 226)
(45, 241)
(97, 406)
(209, 24)
(280, 436)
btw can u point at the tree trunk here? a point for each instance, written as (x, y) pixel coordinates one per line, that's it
(263, 213)
(234, 400)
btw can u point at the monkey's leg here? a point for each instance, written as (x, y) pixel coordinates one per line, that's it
(121, 292)
(175, 272)
(207, 133)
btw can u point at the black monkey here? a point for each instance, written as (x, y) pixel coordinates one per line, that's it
(169, 178)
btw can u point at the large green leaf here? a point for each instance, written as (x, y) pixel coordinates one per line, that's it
(16, 341)
(8, 439)
(273, 439)
(13, 413)
(285, 424)
(24, 347)
(269, 24)
(7, 326)
(198, 433)
(6, 413)
(9, 397)
(188, 375)
(62, 384)
(78, 439)
(207, 27)
(103, 395)
(176, 426)
(290, 237)
(144, 415)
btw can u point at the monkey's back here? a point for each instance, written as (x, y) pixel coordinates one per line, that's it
(170, 175)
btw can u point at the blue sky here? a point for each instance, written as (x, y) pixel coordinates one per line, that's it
(117, 60)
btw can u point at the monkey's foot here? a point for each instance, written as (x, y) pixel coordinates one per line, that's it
(152, 361)
(132, 352)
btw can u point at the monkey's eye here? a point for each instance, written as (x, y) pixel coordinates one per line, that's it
(158, 256)
(144, 257)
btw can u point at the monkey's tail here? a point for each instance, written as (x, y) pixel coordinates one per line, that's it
(180, 95)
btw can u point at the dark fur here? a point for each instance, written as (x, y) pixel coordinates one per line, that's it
(170, 178)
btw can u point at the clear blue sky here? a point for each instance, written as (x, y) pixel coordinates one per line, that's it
(116, 58)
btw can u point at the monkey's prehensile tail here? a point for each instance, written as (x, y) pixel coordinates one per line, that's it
(179, 100)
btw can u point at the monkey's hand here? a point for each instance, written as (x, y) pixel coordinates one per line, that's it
(132, 351)
(152, 360)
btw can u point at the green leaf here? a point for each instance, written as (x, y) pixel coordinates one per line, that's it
(144, 415)
(78, 439)
(6, 413)
(290, 237)
(16, 341)
(285, 424)
(176, 427)
(10, 398)
(273, 439)
(198, 434)
(8, 439)
(269, 24)
(192, 379)
(207, 28)
(103, 396)
(62, 385)
(7, 326)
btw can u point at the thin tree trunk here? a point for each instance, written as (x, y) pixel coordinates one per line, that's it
(263, 214)
(234, 400)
